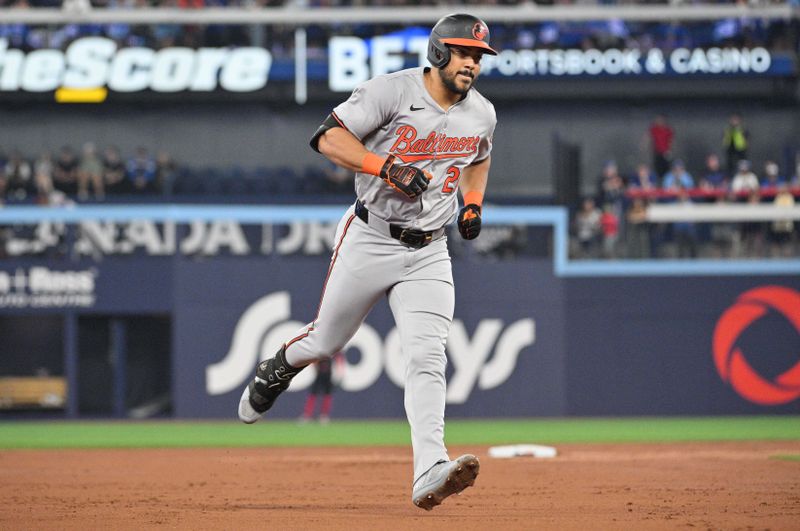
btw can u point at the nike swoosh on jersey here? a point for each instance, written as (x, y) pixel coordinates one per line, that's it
(412, 108)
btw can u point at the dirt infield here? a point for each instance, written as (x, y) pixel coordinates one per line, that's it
(653, 486)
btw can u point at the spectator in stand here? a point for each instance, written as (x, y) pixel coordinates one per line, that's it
(114, 179)
(724, 235)
(772, 179)
(19, 177)
(65, 172)
(782, 230)
(644, 179)
(43, 177)
(611, 188)
(796, 179)
(752, 232)
(141, 171)
(638, 230)
(166, 172)
(587, 229)
(90, 172)
(640, 186)
(661, 136)
(678, 177)
(685, 232)
(3, 180)
(735, 140)
(745, 181)
(714, 178)
(609, 222)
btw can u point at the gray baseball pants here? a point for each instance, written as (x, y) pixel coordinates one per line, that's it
(367, 264)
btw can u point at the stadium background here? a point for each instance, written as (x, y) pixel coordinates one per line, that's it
(155, 300)
(559, 128)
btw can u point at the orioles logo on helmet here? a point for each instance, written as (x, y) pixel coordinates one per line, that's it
(479, 31)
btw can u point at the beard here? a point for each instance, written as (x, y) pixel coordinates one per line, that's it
(449, 80)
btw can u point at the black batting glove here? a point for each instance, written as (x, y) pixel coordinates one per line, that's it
(469, 221)
(408, 180)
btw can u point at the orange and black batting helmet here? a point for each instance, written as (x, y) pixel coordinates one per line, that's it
(457, 30)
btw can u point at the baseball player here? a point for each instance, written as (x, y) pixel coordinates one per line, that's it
(413, 138)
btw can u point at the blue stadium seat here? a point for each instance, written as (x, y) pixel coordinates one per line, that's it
(211, 180)
(235, 183)
(259, 181)
(313, 180)
(187, 182)
(285, 180)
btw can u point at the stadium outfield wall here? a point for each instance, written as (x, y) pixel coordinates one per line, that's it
(531, 336)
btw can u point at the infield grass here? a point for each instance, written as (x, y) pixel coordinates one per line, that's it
(186, 434)
(790, 457)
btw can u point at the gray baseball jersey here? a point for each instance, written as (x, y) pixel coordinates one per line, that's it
(395, 114)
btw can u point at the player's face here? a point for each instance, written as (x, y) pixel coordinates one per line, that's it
(461, 72)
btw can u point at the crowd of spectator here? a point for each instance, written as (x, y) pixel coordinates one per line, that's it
(93, 174)
(87, 174)
(613, 223)
(777, 35)
(355, 3)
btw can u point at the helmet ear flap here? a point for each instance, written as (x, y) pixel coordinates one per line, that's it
(438, 53)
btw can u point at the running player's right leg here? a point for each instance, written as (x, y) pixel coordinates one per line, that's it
(351, 289)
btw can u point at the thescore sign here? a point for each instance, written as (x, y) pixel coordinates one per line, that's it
(92, 62)
(485, 360)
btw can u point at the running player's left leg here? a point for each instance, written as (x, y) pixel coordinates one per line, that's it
(423, 304)
(423, 310)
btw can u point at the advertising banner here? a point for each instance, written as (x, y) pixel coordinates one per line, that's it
(505, 347)
(523, 342)
(97, 67)
(352, 61)
(683, 346)
(115, 286)
(95, 240)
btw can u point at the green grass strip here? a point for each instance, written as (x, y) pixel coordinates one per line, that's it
(790, 457)
(178, 434)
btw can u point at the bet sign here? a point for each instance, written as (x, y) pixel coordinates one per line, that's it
(352, 61)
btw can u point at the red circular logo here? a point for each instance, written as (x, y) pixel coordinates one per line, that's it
(731, 363)
(479, 31)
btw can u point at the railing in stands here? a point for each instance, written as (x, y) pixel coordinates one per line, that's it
(555, 217)
(296, 16)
